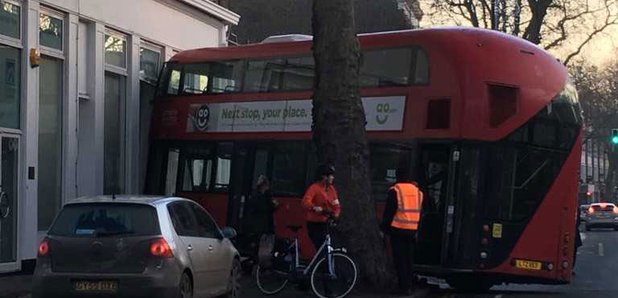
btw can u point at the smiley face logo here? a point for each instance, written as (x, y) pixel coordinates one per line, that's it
(201, 118)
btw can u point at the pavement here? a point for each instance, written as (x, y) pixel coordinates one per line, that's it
(596, 277)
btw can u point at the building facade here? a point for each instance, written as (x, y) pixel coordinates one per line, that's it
(76, 82)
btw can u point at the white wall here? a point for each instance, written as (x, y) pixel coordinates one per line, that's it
(177, 26)
(168, 23)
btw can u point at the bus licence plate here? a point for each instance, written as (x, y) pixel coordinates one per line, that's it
(106, 286)
(529, 265)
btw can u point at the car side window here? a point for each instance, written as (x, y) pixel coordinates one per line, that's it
(207, 228)
(183, 219)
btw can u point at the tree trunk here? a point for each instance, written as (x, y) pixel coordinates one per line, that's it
(340, 137)
(539, 11)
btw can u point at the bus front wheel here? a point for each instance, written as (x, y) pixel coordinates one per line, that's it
(469, 284)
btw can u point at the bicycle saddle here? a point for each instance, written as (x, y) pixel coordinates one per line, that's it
(294, 228)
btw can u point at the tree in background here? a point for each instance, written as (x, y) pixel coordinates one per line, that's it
(552, 24)
(340, 137)
(598, 95)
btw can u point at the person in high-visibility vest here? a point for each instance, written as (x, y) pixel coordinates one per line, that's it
(402, 215)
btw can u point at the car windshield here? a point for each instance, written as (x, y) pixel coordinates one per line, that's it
(110, 219)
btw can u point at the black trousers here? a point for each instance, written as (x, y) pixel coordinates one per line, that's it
(317, 233)
(403, 253)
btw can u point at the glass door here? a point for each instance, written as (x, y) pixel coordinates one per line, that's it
(9, 177)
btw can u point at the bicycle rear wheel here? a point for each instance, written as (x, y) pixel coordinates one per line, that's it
(270, 281)
(335, 282)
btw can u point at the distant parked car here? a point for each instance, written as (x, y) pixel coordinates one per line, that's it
(136, 247)
(602, 215)
(583, 216)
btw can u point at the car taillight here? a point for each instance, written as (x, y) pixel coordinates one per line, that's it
(160, 248)
(43, 248)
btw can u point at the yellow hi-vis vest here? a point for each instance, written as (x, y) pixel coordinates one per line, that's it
(409, 201)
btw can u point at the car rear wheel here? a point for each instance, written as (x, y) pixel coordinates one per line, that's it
(185, 289)
(233, 287)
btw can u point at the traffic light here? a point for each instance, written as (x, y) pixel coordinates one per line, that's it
(614, 138)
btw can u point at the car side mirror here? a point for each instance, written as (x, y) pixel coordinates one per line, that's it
(229, 232)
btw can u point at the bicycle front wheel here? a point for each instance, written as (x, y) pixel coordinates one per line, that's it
(334, 279)
(270, 281)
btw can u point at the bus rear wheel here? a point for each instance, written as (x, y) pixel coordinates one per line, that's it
(469, 284)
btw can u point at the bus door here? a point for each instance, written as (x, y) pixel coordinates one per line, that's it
(433, 174)
(462, 235)
(250, 161)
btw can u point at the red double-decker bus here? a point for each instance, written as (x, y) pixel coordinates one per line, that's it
(488, 123)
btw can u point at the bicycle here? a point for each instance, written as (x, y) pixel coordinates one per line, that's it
(331, 269)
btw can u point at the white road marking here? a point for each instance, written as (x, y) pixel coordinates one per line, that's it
(601, 250)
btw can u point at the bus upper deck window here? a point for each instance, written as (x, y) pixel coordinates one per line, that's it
(173, 82)
(421, 68)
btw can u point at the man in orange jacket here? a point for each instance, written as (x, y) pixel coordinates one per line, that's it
(320, 201)
(401, 217)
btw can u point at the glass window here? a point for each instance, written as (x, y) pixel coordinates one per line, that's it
(288, 173)
(264, 75)
(195, 79)
(10, 78)
(115, 51)
(224, 166)
(225, 76)
(386, 67)
(50, 31)
(171, 175)
(183, 219)
(385, 160)
(298, 74)
(149, 62)
(94, 220)
(197, 173)
(207, 228)
(421, 69)
(50, 141)
(114, 133)
(10, 19)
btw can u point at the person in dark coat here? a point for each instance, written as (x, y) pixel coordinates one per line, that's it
(259, 218)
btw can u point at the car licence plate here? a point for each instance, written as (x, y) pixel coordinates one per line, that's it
(107, 286)
(528, 265)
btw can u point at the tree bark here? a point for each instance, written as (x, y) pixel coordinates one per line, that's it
(340, 137)
(538, 9)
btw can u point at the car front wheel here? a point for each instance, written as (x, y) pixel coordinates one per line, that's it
(233, 287)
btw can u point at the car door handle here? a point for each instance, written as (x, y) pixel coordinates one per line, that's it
(210, 248)
(189, 247)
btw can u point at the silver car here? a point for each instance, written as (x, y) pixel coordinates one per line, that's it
(136, 247)
(602, 215)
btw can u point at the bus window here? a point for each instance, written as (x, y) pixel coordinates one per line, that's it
(288, 177)
(197, 175)
(225, 76)
(195, 79)
(172, 170)
(385, 159)
(386, 67)
(421, 67)
(260, 166)
(224, 166)
(298, 74)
